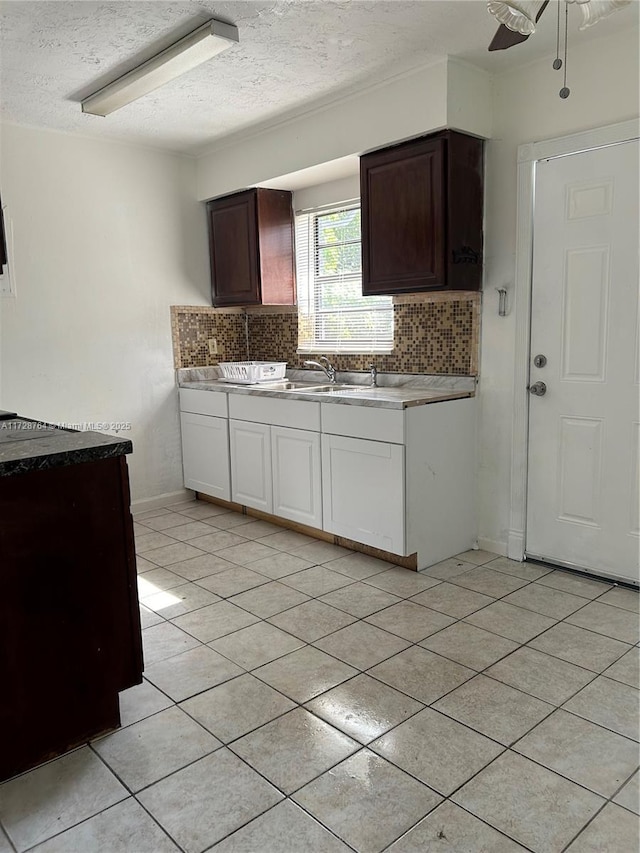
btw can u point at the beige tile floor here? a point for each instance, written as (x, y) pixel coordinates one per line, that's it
(300, 698)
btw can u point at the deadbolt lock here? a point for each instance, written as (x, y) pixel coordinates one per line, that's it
(540, 360)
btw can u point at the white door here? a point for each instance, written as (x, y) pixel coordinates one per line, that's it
(297, 492)
(582, 503)
(251, 464)
(205, 454)
(363, 491)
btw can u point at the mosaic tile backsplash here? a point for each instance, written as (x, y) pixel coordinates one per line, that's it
(436, 333)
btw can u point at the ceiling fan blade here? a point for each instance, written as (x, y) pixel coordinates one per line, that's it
(505, 38)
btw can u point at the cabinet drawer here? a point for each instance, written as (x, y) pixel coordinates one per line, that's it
(203, 402)
(297, 414)
(364, 422)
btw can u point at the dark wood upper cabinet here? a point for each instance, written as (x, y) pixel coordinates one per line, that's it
(251, 248)
(422, 215)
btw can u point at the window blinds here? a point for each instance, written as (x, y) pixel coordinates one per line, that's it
(333, 315)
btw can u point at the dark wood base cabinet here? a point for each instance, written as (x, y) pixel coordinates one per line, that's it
(69, 621)
(422, 215)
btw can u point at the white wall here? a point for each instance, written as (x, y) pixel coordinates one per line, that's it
(332, 192)
(444, 94)
(106, 237)
(603, 77)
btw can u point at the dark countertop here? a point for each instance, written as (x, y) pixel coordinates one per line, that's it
(28, 445)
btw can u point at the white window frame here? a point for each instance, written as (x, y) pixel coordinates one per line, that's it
(309, 282)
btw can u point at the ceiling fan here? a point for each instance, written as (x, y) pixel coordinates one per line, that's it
(518, 18)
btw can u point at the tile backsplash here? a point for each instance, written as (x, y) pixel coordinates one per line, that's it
(433, 333)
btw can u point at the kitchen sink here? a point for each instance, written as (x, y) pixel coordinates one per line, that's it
(286, 385)
(337, 388)
(308, 387)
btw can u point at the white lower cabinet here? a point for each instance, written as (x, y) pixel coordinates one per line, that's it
(400, 480)
(363, 486)
(277, 470)
(205, 454)
(275, 457)
(297, 489)
(251, 465)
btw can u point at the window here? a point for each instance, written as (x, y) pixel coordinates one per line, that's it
(333, 315)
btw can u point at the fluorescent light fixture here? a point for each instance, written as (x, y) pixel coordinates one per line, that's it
(187, 53)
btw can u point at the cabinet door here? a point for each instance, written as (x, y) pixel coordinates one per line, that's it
(403, 218)
(251, 464)
(297, 490)
(233, 247)
(363, 491)
(205, 454)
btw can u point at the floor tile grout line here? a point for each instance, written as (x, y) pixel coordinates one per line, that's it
(364, 580)
(511, 746)
(285, 799)
(584, 719)
(603, 797)
(127, 796)
(299, 704)
(521, 645)
(452, 580)
(161, 778)
(363, 619)
(222, 746)
(588, 823)
(360, 746)
(476, 817)
(5, 834)
(412, 645)
(102, 811)
(524, 692)
(474, 565)
(317, 819)
(257, 728)
(417, 644)
(624, 784)
(247, 822)
(505, 750)
(599, 672)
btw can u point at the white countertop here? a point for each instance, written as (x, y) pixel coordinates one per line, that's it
(394, 391)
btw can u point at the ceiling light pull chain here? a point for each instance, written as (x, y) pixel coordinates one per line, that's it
(565, 91)
(557, 62)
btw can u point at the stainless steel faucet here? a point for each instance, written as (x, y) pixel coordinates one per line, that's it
(325, 366)
(374, 375)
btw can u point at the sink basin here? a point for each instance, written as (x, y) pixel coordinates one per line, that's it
(334, 389)
(286, 385)
(308, 387)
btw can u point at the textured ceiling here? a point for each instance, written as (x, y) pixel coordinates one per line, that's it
(291, 54)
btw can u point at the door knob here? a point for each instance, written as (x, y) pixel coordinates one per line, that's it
(538, 389)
